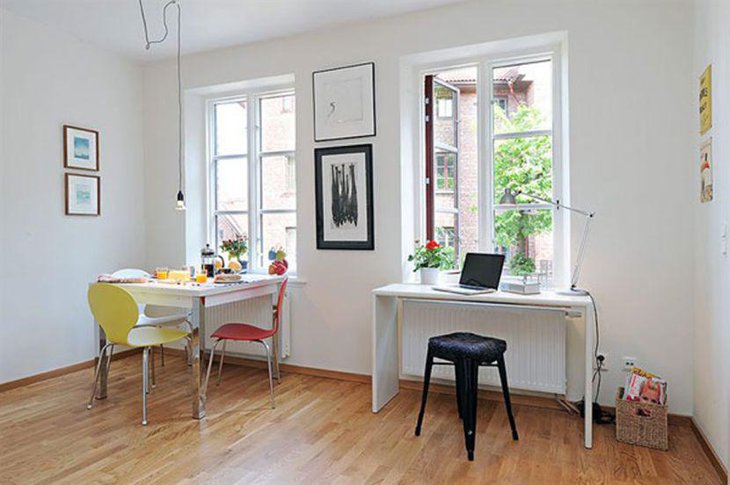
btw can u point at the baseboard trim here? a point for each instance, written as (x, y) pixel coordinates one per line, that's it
(44, 376)
(709, 451)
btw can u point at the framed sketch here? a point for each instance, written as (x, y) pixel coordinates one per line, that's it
(83, 195)
(80, 148)
(344, 195)
(344, 102)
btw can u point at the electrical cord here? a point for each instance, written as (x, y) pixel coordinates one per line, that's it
(599, 415)
(148, 44)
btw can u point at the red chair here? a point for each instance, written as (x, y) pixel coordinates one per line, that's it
(244, 332)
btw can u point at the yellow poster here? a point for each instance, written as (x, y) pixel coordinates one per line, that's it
(706, 100)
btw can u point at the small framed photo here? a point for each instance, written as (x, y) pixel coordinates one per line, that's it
(83, 195)
(344, 102)
(80, 148)
(344, 197)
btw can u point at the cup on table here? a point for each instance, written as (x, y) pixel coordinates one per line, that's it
(201, 277)
(162, 273)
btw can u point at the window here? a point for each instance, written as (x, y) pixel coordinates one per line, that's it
(464, 208)
(253, 174)
(502, 103)
(521, 148)
(444, 108)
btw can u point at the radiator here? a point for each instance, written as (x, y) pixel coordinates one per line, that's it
(256, 311)
(535, 337)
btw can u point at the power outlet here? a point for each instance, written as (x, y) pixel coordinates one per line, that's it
(629, 363)
(603, 358)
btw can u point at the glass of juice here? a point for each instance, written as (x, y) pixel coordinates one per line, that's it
(162, 273)
(201, 277)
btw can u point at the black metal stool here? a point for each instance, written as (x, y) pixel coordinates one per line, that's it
(466, 352)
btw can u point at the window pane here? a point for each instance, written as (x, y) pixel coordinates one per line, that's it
(444, 126)
(231, 134)
(229, 226)
(280, 231)
(526, 236)
(232, 184)
(278, 123)
(522, 96)
(445, 172)
(524, 164)
(278, 182)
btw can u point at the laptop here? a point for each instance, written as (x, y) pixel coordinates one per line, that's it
(481, 274)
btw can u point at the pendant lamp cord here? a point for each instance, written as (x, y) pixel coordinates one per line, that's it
(148, 44)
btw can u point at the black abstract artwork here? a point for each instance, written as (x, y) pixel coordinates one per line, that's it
(344, 194)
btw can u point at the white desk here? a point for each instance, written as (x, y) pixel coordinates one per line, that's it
(197, 298)
(386, 351)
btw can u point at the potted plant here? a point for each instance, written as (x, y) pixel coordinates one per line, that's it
(430, 259)
(236, 248)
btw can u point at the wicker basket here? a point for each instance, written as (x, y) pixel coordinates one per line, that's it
(641, 423)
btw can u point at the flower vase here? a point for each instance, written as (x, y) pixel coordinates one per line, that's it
(430, 276)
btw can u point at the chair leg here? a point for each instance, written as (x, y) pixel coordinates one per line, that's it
(275, 346)
(458, 372)
(145, 383)
(424, 396)
(271, 375)
(507, 400)
(468, 389)
(152, 369)
(220, 364)
(102, 355)
(210, 366)
(162, 355)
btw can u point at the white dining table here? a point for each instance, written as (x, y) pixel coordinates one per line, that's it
(197, 298)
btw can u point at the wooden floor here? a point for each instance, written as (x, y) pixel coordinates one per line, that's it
(322, 431)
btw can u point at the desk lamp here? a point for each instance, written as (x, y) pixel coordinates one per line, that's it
(509, 198)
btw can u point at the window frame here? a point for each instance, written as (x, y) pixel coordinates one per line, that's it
(485, 62)
(256, 252)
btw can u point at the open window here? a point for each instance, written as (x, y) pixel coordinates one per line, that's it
(489, 128)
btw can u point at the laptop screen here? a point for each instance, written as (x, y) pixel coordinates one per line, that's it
(483, 270)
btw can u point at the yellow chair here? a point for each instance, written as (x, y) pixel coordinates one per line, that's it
(116, 311)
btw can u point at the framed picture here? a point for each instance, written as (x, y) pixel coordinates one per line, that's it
(706, 100)
(344, 102)
(83, 195)
(344, 194)
(706, 193)
(80, 148)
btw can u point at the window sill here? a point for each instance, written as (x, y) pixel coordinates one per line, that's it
(295, 280)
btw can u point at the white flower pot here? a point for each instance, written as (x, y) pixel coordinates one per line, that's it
(430, 276)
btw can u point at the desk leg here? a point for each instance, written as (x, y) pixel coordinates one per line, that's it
(588, 399)
(103, 368)
(198, 327)
(385, 379)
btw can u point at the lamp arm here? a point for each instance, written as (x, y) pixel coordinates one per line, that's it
(558, 205)
(581, 253)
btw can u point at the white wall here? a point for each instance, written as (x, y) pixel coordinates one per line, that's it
(712, 279)
(49, 79)
(631, 92)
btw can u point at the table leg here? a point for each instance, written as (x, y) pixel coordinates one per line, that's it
(103, 367)
(195, 349)
(385, 380)
(588, 393)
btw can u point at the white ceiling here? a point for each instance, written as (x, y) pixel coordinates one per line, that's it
(207, 24)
